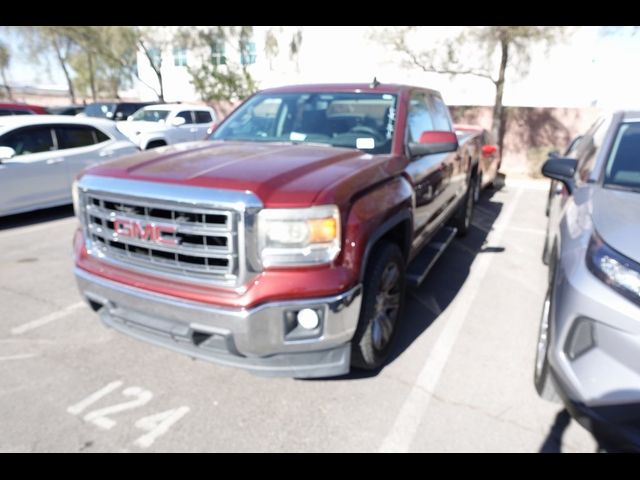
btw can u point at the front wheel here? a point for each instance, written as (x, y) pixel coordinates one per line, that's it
(542, 375)
(382, 302)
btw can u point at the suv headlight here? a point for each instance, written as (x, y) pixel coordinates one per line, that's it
(298, 236)
(619, 272)
(75, 194)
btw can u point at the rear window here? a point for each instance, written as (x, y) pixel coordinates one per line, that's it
(104, 110)
(623, 166)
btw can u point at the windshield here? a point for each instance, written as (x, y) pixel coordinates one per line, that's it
(623, 166)
(150, 115)
(100, 110)
(352, 120)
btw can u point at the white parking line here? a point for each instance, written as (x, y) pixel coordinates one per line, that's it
(24, 356)
(403, 431)
(25, 327)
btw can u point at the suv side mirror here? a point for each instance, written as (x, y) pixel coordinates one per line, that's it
(177, 121)
(6, 153)
(561, 169)
(434, 142)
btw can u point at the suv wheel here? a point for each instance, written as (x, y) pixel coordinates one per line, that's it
(381, 307)
(541, 375)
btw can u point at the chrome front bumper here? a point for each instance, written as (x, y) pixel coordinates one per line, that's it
(265, 340)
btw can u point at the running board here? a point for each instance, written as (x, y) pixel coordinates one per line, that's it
(426, 259)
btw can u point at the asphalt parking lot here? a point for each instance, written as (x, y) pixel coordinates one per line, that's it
(460, 379)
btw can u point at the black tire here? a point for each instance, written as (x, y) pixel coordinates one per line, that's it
(462, 218)
(382, 302)
(155, 143)
(541, 372)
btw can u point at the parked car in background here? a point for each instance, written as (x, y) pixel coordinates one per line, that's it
(66, 110)
(41, 155)
(488, 153)
(114, 110)
(21, 109)
(158, 125)
(588, 350)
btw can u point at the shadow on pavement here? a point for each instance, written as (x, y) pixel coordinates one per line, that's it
(38, 216)
(424, 305)
(553, 442)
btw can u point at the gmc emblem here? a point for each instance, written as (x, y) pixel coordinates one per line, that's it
(150, 232)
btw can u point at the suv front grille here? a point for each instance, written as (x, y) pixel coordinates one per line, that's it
(178, 240)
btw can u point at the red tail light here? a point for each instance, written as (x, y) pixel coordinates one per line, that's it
(211, 128)
(489, 150)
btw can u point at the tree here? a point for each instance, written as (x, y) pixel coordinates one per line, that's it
(294, 47)
(271, 47)
(218, 76)
(106, 60)
(5, 58)
(499, 47)
(41, 40)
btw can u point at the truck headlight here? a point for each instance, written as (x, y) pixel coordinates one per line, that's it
(619, 272)
(298, 236)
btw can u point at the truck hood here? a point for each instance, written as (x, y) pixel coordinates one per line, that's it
(615, 217)
(280, 174)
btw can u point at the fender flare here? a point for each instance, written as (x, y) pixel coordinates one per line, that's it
(382, 230)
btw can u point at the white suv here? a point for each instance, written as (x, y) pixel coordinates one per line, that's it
(158, 125)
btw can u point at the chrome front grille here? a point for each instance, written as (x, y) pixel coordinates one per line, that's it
(206, 245)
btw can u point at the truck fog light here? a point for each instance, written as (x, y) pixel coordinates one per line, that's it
(308, 318)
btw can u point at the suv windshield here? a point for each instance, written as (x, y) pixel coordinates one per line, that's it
(352, 120)
(150, 115)
(623, 166)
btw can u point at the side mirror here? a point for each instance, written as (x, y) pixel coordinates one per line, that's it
(561, 169)
(6, 153)
(434, 142)
(177, 121)
(489, 150)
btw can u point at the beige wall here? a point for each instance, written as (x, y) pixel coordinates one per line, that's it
(531, 132)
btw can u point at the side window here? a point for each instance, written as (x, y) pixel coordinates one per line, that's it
(588, 147)
(101, 136)
(74, 136)
(186, 115)
(203, 116)
(419, 118)
(440, 114)
(29, 140)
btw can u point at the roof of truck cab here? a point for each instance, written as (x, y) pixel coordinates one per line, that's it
(345, 87)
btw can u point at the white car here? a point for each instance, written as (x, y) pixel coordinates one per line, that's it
(40, 156)
(165, 124)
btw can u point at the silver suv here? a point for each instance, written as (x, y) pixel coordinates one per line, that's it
(588, 350)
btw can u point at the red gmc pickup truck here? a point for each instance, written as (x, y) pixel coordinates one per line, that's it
(283, 243)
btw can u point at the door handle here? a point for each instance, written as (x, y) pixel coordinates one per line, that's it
(106, 153)
(193, 130)
(52, 161)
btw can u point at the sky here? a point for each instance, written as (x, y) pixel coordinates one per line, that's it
(594, 67)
